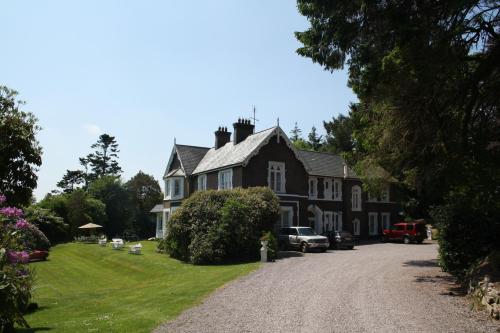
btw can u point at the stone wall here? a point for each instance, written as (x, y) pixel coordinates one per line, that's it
(488, 294)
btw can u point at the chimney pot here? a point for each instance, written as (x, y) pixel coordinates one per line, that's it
(222, 136)
(242, 129)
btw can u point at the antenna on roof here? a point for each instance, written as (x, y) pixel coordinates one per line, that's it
(278, 122)
(174, 141)
(253, 118)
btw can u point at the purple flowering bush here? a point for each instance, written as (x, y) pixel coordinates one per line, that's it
(15, 278)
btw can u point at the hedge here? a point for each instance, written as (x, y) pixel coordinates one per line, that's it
(220, 226)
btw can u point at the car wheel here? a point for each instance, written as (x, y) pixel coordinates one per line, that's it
(303, 248)
(406, 240)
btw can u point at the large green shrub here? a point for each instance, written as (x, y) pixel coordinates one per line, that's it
(49, 223)
(218, 226)
(469, 229)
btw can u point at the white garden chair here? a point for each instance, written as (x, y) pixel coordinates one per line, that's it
(117, 243)
(135, 249)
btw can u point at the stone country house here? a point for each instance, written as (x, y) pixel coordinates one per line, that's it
(314, 189)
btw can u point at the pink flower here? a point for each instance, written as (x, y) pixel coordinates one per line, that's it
(2, 198)
(22, 224)
(11, 212)
(20, 257)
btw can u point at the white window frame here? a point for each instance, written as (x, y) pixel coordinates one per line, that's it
(180, 195)
(221, 184)
(356, 227)
(327, 188)
(202, 182)
(373, 231)
(167, 189)
(356, 198)
(387, 223)
(314, 191)
(328, 222)
(289, 210)
(385, 195)
(282, 173)
(337, 190)
(337, 221)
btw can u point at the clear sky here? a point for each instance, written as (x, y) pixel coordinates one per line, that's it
(149, 71)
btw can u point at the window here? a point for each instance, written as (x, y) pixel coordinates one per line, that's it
(327, 193)
(202, 182)
(372, 224)
(293, 232)
(384, 196)
(372, 197)
(337, 221)
(167, 188)
(355, 226)
(276, 176)
(313, 187)
(356, 198)
(337, 189)
(286, 218)
(386, 220)
(177, 187)
(226, 179)
(328, 221)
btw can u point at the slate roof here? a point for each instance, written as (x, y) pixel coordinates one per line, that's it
(231, 154)
(325, 164)
(190, 156)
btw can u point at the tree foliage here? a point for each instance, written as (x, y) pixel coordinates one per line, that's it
(20, 152)
(103, 161)
(427, 76)
(83, 209)
(144, 192)
(71, 180)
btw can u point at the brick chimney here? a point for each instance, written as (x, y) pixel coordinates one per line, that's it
(222, 136)
(242, 129)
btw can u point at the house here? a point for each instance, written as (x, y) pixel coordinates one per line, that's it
(314, 189)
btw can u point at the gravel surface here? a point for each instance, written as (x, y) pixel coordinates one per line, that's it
(373, 288)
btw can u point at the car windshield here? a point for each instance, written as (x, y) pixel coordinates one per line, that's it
(307, 232)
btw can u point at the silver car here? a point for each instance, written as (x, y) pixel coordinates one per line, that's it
(302, 238)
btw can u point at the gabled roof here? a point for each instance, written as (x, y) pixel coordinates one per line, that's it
(189, 157)
(326, 164)
(239, 154)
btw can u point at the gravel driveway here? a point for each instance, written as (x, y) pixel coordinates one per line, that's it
(374, 288)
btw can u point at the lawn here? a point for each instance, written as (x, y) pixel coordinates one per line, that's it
(88, 288)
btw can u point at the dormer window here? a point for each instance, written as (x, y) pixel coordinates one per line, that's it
(174, 188)
(276, 176)
(313, 187)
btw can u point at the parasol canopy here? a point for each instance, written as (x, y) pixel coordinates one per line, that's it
(90, 226)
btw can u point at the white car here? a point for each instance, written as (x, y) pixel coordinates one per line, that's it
(302, 238)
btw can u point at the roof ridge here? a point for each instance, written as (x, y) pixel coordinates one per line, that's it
(321, 152)
(192, 146)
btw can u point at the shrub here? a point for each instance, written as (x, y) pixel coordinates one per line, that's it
(469, 226)
(218, 226)
(15, 278)
(49, 223)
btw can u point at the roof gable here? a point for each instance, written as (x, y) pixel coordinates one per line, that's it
(239, 154)
(189, 157)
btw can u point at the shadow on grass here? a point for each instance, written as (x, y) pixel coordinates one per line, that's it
(32, 329)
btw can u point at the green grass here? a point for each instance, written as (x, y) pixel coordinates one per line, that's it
(88, 288)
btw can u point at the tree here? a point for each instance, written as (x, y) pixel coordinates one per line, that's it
(144, 192)
(70, 180)
(83, 209)
(339, 134)
(295, 133)
(103, 161)
(315, 141)
(110, 191)
(20, 152)
(429, 106)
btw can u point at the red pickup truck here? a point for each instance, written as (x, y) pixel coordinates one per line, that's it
(405, 231)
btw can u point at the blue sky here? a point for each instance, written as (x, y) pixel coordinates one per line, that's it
(149, 71)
